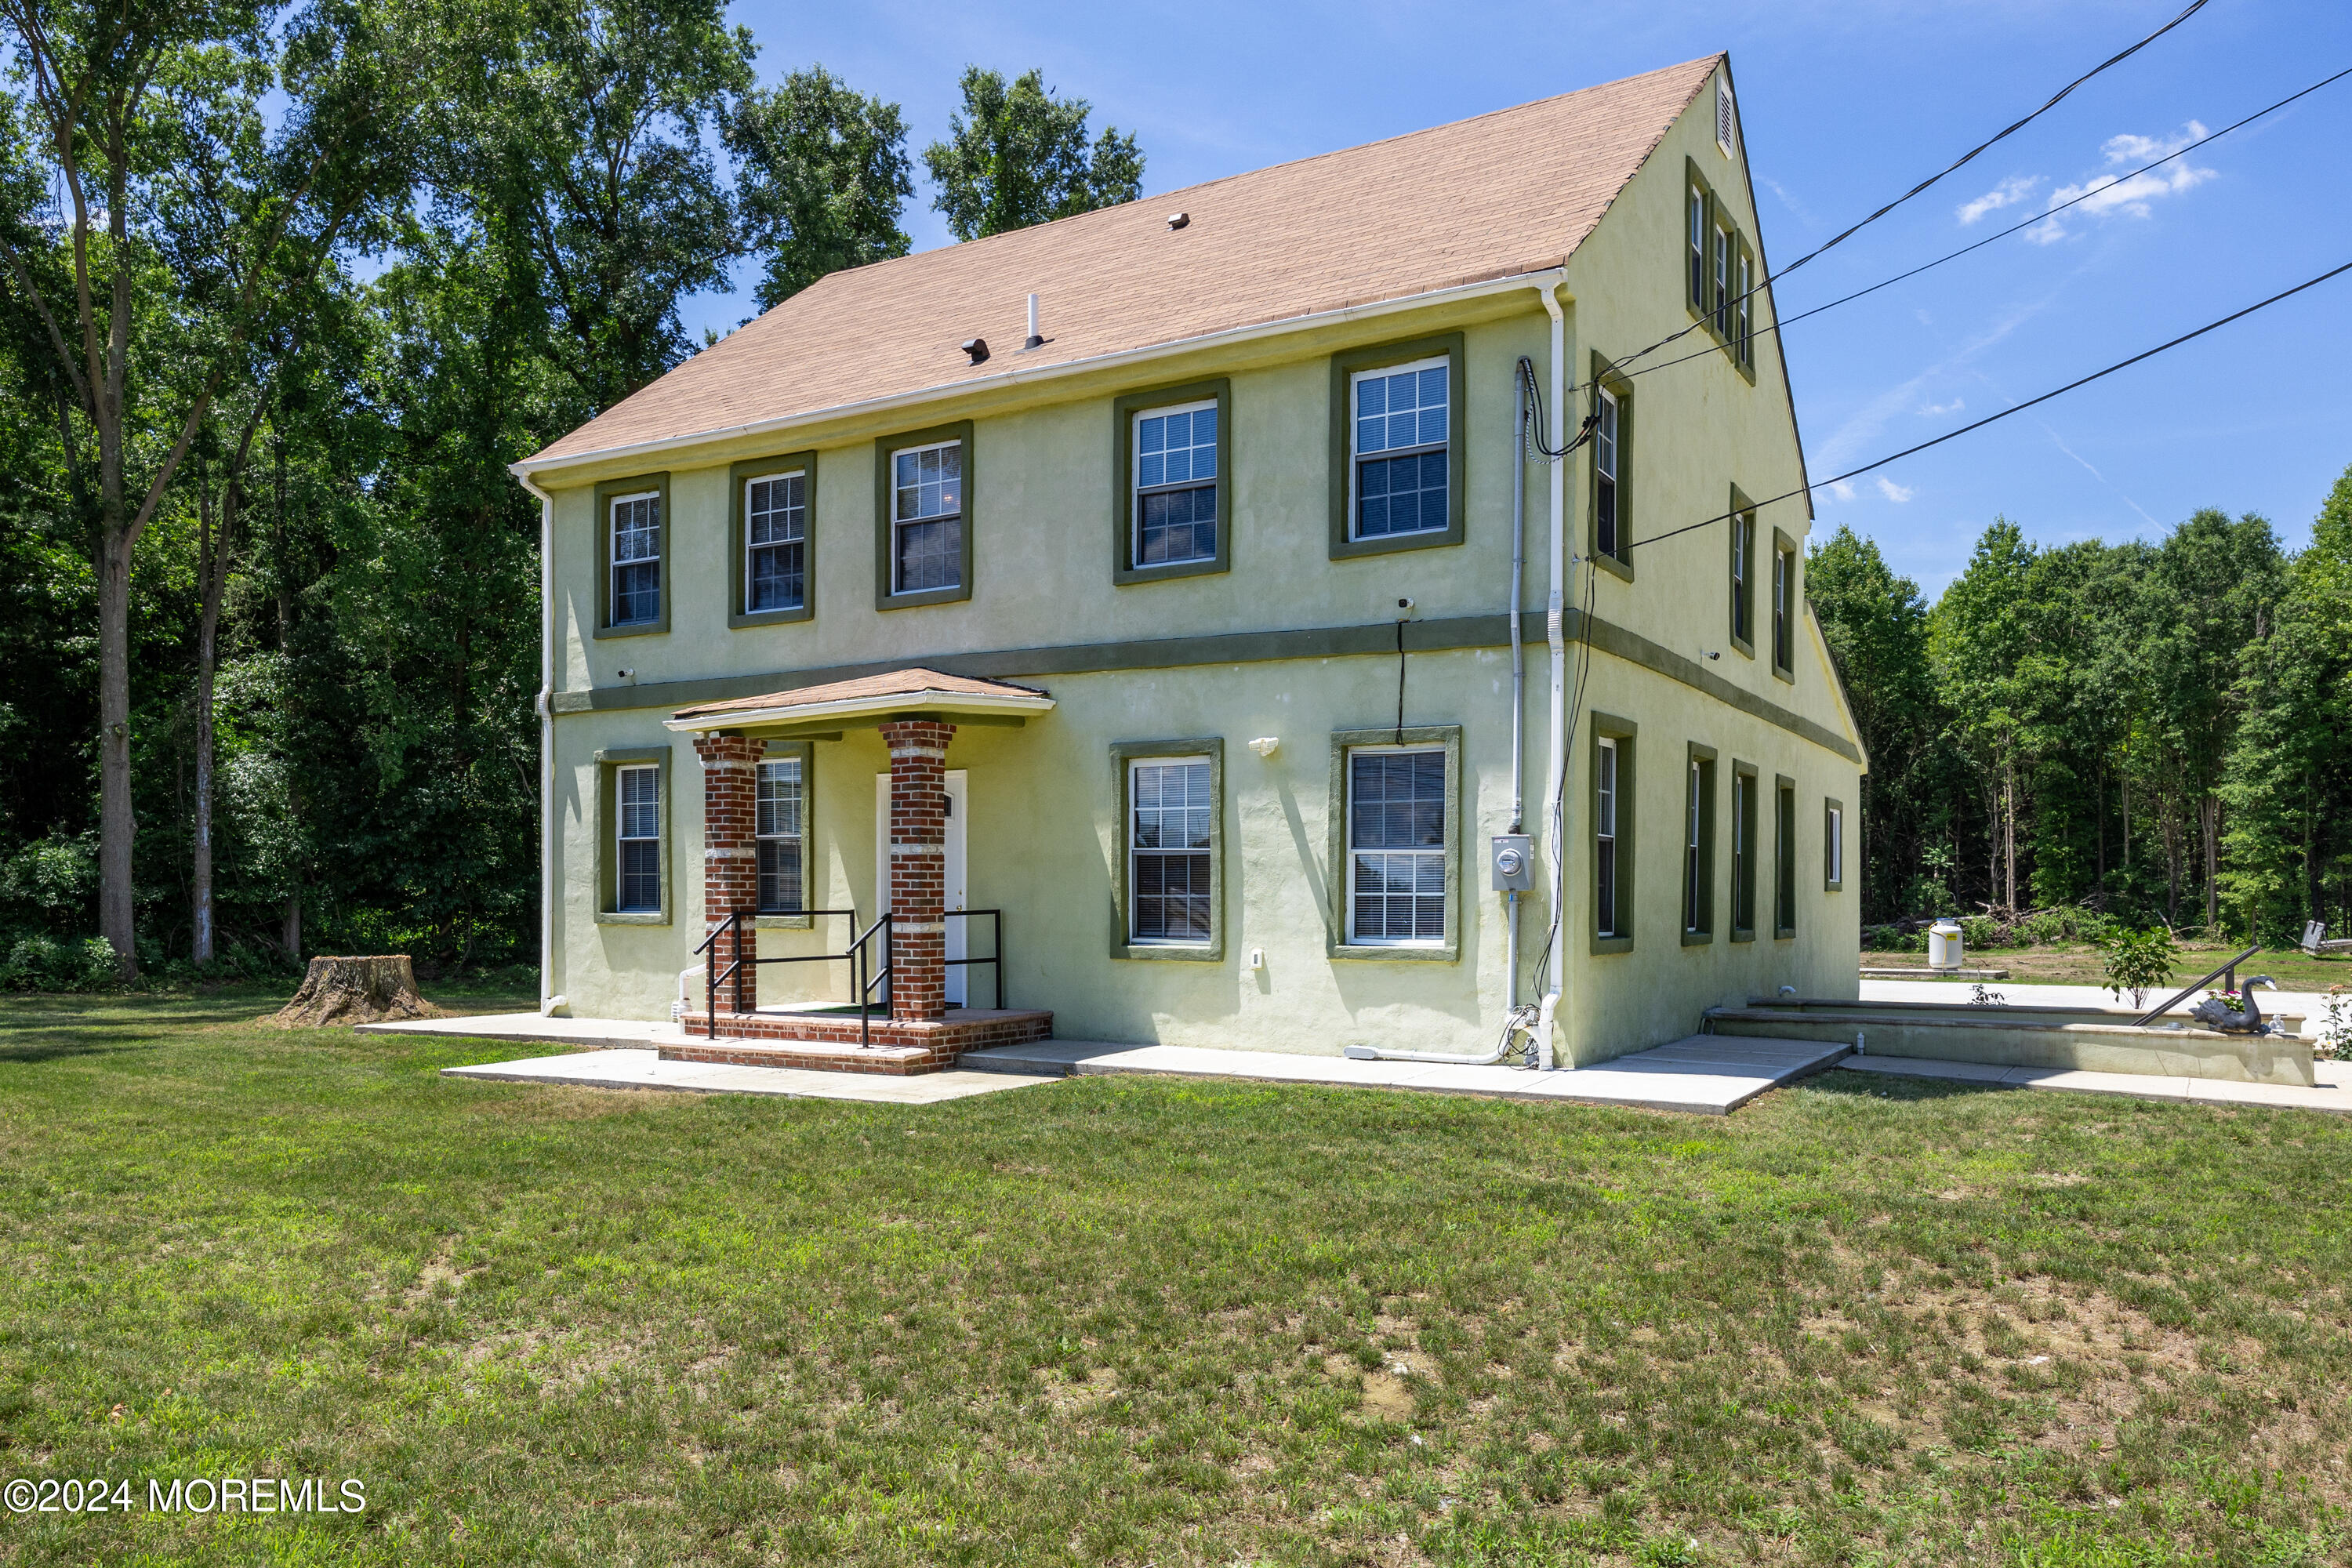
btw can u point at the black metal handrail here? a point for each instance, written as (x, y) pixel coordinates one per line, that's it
(995, 962)
(2230, 969)
(863, 977)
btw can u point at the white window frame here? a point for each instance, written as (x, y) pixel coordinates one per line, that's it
(1837, 846)
(622, 837)
(1358, 458)
(1439, 852)
(1137, 490)
(1605, 922)
(897, 582)
(1784, 651)
(801, 539)
(1722, 312)
(1135, 853)
(1742, 343)
(760, 835)
(613, 562)
(1690, 851)
(1743, 557)
(1607, 449)
(1696, 240)
(1743, 875)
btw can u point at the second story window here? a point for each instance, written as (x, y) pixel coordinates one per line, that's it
(1175, 512)
(1606, 453)
(1401, 430)
(1696, 236)
(1723, 282)
(1743, 555)
(776, 542)
(636, 587)
(1743, 337)
(1784, 610)
(927, 517)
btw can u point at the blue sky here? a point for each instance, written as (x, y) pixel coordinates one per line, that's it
(1845, 103)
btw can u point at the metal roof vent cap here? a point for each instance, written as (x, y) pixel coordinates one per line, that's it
(1178, 220)
(976, 347)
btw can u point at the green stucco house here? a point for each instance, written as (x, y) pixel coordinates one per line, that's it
(1135, 602)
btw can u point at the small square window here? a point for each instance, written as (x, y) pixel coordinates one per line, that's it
(1401, 430)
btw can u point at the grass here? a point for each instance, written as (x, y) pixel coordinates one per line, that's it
(1128, 1320)
(2082, 965)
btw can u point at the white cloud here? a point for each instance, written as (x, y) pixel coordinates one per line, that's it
(1930, 410)
(1893, 491)
(1843, 490)
(2111, 196)
(2008, 194)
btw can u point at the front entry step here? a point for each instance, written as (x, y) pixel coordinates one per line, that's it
(830, 1041)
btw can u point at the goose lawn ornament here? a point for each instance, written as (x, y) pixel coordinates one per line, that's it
(2215, 1013)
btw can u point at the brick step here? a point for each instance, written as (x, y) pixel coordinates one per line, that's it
(829, 1041)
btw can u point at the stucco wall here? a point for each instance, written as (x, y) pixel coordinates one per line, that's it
(1042, 809)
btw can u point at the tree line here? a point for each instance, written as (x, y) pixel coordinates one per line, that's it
(2151, 731)
(287, 287)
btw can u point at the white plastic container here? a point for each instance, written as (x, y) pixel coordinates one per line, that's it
(1944, 944)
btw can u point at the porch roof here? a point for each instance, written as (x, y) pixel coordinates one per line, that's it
(870, 699)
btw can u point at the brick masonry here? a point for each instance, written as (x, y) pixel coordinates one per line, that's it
(730, 858)
(918, 849)
(829, 1040)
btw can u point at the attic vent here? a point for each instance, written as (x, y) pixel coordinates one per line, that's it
(1723, 115)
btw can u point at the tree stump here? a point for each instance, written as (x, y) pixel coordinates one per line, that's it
(357, 990)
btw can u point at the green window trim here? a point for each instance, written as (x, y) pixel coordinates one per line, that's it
(1697, 273)
(1739, 572)
(1124, 572)
(606, 494)
(1700, 759)
(1788, 592)
(1123, 753)
(1784, 856)
(609, 762)
(1345, 366)
(1336, 942)
(1745, 266)
(1743, 851)
(1620, 563)
(1622, 733)
(806, 751)
(739, 569)
(1711, 304)
(1833, 845)
(884, 599)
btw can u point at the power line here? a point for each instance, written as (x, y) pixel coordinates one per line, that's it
(2016, 408)
(2004, 234)
(2055, 99)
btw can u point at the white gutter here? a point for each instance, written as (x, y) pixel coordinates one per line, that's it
(1554, 632)
(701, 720)
(1023, 374)
(544, 707)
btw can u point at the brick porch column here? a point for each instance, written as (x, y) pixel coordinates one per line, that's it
(731, 854)
(918, 851)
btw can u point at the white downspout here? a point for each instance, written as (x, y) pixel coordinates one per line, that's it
(544, 705)
(1556, 633)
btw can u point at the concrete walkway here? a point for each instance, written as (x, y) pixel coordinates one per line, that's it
(624, 1069)
(583, 1034)
(1711, 1075)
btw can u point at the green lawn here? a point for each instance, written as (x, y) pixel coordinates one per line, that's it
(2079, 964)
(1109, 1320)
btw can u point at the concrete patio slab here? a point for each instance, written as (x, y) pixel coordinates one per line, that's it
(2332, 1093)
(643, 1069)
(583, 1034)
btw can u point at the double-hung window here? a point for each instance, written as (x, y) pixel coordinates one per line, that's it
(637, 846)
(1174, 515)
(1607, 454)
(1743, 597)
(1605, 841)
(780, 832)
(927, 518)
(1833, 845)
(1401, 430)
(776, 542)
(1696, 236)
(1172, 811)
(636, 555)
(1743, 854)
(1784, 608)
(1722, 282)
(1784, 858)
(1743, 337)
(1396, 846)
(1698, 845)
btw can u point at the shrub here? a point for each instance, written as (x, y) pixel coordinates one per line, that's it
(2334, 1025)
(39, 963)
(2067, 922)
(1979, 931)
(2138, 961)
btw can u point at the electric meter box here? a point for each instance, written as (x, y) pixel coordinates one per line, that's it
(1511, 862)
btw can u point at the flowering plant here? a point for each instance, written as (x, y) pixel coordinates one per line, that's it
(2335, 1028)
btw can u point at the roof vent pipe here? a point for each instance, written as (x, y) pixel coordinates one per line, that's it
(1034, 341)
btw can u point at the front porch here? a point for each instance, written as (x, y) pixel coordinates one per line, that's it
(901, 1015)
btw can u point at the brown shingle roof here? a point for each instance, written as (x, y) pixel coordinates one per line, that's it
(1505, 194)
(913, 682)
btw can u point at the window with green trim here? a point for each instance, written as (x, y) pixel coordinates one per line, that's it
(636, 558)
(1396, 846)
(1698, 845)
(1743, 853)
(637, 846)
(781, 831)
(1784, 848)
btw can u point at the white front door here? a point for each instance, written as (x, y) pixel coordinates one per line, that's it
(958, 792)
